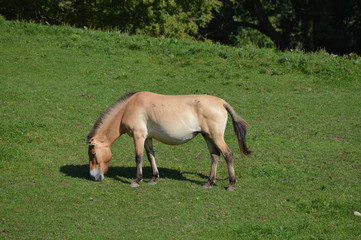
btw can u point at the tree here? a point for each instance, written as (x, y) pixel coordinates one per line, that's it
(170, 18)
(308, 24)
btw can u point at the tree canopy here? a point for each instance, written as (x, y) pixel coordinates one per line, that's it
(305, 24)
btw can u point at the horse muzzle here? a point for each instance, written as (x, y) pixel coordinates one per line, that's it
(96, 175)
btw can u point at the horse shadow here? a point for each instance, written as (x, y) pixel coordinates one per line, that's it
(127, 174)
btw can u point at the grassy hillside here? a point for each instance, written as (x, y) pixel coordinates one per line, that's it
(301, 182)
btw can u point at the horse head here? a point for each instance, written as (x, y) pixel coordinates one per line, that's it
(99, 158)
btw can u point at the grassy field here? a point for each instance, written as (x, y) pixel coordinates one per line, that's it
(303, 180)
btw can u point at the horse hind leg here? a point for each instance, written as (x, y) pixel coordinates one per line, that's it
(151, 158)
(215, 157)
(230, 164)
(228, 156)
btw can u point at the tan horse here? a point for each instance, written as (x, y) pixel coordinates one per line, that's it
(170, 119)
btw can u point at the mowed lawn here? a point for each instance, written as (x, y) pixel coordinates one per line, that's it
(302, 181)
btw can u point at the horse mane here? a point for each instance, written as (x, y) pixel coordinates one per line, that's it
(106, 114)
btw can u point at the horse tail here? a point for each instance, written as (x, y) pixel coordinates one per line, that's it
(240, 128)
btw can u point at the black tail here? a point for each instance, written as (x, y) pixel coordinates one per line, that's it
(240, 128)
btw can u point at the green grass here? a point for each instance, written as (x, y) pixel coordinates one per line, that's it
(303, 180)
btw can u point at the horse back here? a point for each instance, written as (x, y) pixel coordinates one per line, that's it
(175, 114)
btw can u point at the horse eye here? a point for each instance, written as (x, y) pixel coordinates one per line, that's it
(94, 154)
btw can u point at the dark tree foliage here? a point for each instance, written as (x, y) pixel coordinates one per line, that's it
(333, 25)
(170, 18)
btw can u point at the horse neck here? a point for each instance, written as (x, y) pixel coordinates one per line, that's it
(110, 130)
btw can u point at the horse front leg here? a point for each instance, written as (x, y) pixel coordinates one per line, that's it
(151, 158)
(139, 148)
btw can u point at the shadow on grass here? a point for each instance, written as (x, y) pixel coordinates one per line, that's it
(127, 174)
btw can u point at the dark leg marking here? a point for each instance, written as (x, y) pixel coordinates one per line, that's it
(215, 157)
(151, 158)
(212, 175)
(139, 176)
(230, 164)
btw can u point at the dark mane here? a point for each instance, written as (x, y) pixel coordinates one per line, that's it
(106, 113)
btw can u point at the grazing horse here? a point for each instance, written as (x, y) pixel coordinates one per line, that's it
(169, 119)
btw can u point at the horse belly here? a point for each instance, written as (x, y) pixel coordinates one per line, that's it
(174, 134)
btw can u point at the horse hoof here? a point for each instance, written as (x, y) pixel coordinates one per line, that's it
(207, 186)
(134, 185)
(151, 182)
(231, 188)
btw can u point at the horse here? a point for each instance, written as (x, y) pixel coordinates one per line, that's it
(170, 119)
